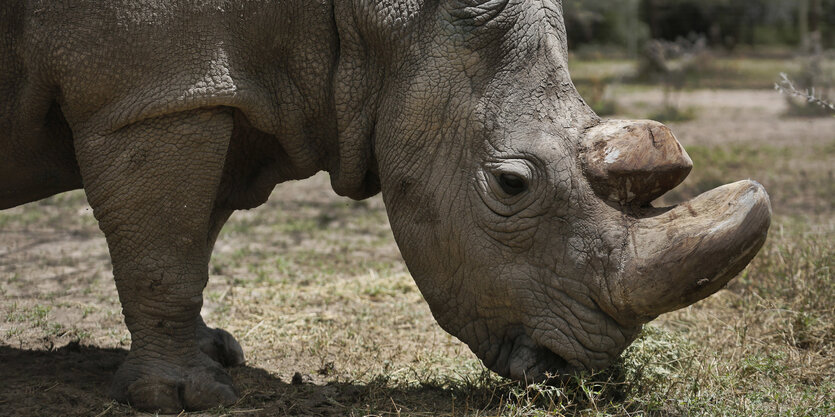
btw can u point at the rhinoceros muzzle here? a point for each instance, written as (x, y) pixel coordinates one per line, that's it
(672, 256)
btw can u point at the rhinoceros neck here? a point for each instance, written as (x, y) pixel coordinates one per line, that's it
(356, 83)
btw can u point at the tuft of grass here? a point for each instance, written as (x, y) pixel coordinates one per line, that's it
(37, 315)
(793, 281)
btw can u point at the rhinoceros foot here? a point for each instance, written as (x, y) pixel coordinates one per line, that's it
(219, 345)
(195, 383)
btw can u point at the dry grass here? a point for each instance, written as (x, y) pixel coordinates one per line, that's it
(718, 72)
(314, 288)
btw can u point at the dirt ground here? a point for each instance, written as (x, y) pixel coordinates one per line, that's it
(313, 286)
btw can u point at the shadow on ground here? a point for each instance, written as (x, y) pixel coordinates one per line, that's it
(73, 380)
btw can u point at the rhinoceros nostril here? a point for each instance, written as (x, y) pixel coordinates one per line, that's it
(633, 162)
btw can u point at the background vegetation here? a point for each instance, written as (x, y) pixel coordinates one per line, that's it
(725, 23)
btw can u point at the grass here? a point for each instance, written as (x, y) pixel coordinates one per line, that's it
(799, 178)
(668, 114)
(721, 72)
(602, 81)
(332, 324)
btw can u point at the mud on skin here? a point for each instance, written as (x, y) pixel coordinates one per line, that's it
(542, 257)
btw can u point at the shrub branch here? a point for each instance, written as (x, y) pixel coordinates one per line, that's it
(786, 86)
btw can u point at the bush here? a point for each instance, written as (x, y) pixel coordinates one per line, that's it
(810, 94)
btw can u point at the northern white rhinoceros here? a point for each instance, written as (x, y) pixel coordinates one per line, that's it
(525, 220)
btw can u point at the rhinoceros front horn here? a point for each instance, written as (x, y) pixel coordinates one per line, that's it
(633, 162)
(677, 256)
(672, 257)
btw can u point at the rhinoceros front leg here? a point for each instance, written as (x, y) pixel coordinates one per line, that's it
(152, 186)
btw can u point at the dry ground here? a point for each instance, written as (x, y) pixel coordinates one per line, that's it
(314, 288)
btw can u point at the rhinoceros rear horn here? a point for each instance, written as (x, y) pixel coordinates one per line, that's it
(633, 162)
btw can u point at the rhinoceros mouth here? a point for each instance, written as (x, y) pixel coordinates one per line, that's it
(521, 358)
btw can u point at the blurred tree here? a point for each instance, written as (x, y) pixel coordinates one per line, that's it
(628, 23)
(723, 22)
(803, 23)
(812, 37)
(605, 22)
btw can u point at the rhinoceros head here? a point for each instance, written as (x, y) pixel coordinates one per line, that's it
(525, 220)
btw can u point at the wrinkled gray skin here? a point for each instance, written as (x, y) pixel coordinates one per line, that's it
(173, 114)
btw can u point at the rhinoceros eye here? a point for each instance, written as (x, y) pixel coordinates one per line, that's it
(512, 184)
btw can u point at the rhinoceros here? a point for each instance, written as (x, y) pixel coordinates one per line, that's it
(525, 220)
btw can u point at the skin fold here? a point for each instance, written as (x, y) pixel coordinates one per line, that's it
(525, 221)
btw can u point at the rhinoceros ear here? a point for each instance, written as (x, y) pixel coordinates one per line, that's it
(352, 167)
